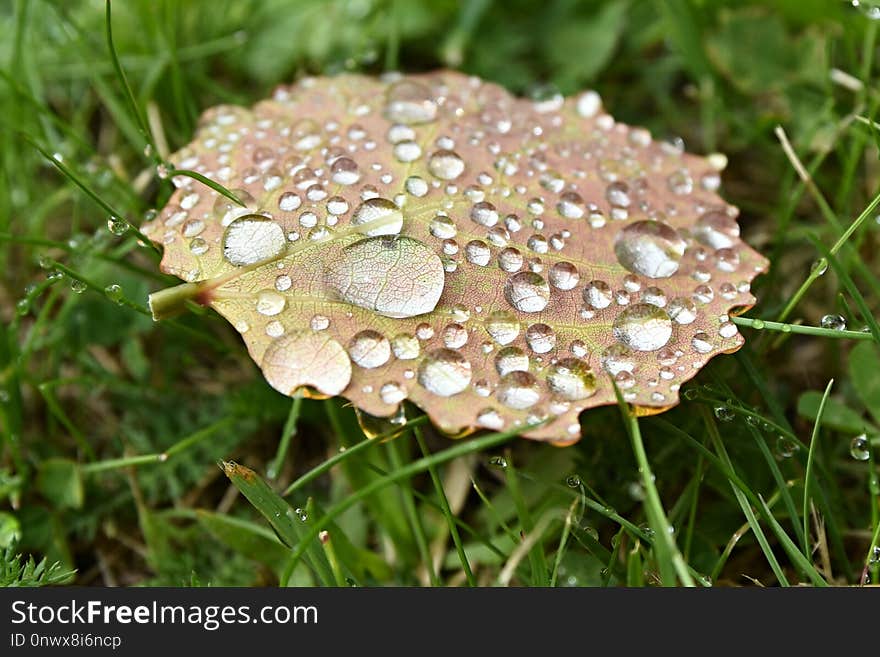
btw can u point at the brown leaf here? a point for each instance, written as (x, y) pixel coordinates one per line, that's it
(433, 238)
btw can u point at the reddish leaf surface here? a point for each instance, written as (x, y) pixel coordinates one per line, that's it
(492, 259)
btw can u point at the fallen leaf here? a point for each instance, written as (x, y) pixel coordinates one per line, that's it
(494, 260)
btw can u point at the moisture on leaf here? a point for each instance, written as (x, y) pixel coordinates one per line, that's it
(497, 261)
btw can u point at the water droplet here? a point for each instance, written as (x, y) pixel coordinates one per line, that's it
(498, 462)
(833, 322)
(77, 286)
(571, 379)
(443, 227)
(490, 419)
(455, 336)
(319, 322)
(701, 342)
(724, 413)
(502, 326)
(444, 372)
(446, 164)
(114, 293)
(288, 202)
(378, 216)
(540, 338)
(270, 303)
(392, 393)
(717, 230)
(573, 481)
(477, 253)
(336, 205)
(598, 294)
(649, 248)
(118, 226)
(303, 358)
(393, 276)
(484, 213)
(588, 104)
(416, 186)
(527, 292)
(859, 448)
(405, 346)
(510, 259)
(570, 205)
(410, 102)
(643, 327)
(369, 349)
(518, 390)
(407, 151)
(682, 310)
(786, 447)
(511, 359)
(252, 239)
(564, 276)
(819, 267)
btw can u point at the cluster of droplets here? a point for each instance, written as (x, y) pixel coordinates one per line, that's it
(606, 251)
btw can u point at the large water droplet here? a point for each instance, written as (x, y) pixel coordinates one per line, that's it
(527, 292)
(649, 248)
(303, 358)
(444, 372)
(251, 239)
(410, 102)
(518, 390)
(369, 349)
(571, 379)
(378, 216)
(643, 327)
(393, 276)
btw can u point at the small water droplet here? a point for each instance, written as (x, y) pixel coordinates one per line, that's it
(77, 286)
(571, 379)
(410, 102)
(527, 292)
(518, 390)
(118, 226)
(502, 326)
(369, 349)
(446, 164)
(786, 447)
(724, 413)
(114, 293)
(859, 448)
(833, 322)
(378, 216)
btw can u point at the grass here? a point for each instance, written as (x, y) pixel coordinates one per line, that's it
(113, 425)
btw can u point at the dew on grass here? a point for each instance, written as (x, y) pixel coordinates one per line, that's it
(859, 448)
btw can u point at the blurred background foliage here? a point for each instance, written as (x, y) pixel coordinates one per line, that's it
(86, 378)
